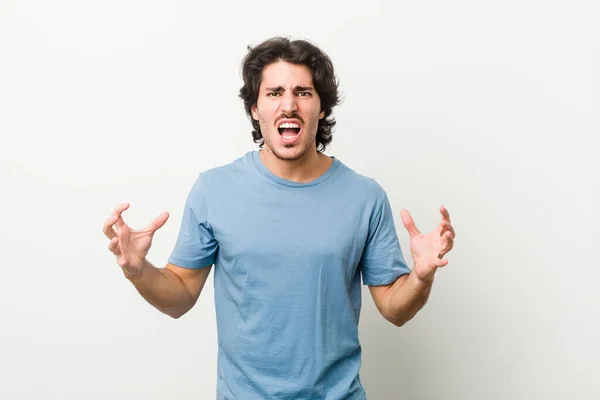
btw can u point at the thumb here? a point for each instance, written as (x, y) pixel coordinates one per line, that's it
(409, 224)
(158, 222)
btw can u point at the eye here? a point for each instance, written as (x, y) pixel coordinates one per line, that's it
(273, 94)
(304, 94)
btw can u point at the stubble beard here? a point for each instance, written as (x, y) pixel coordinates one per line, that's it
(294, 157)
(297, 156)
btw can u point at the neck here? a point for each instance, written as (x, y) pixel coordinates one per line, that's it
(305, 169)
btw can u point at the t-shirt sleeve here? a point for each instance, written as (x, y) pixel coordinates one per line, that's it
(382, 261)
(196, 245)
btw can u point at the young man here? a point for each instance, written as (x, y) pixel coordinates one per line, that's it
(291, 232)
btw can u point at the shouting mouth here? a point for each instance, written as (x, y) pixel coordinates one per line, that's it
(289, 131)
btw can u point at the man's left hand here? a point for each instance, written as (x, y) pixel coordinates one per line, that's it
(428, 251)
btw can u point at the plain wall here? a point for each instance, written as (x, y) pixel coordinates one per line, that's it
(490, 109)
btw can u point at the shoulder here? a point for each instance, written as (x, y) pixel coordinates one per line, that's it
(221, 181)
(224, 175)
(364, 187)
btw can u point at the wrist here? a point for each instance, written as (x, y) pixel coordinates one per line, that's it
(136, 273)
(420, 282)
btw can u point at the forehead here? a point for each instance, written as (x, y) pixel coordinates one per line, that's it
(287, 75)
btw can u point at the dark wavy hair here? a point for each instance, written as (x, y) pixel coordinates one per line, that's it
(300, 52)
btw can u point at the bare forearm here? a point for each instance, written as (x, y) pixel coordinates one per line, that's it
(163, 289)
(406, 298)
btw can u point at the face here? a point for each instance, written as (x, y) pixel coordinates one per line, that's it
(288, 110)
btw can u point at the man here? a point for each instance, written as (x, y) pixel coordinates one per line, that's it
(291, 232)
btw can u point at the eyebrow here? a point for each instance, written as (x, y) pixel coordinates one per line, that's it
(279, 89)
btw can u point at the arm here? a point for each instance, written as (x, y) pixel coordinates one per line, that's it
(172, 290)
(400, 301)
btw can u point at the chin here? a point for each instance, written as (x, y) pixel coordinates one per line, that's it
(290, 153)
(287, 154)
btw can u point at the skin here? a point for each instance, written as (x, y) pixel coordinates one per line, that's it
(286, 91)
(399, 301)
(172, 290)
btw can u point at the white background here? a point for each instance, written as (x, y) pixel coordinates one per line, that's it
(489, 108)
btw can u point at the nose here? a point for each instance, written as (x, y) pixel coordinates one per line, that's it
(288, 103)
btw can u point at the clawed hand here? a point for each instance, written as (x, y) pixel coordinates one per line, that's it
(128, 245)
(428, 251)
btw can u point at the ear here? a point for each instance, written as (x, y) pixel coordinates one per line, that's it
(254, 110)
(322, 114)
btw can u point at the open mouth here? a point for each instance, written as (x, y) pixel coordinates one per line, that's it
(289, 129)
(289, 132)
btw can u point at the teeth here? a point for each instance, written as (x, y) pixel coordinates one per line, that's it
(289, 125)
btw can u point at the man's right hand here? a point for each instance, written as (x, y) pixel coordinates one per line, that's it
(130, 246)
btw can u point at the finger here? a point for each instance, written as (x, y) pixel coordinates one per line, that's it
(445, 214)
(122, 261)
(118, 211)
(409, 224)
(120, 208)
(447, 227)
(448, 241)
(113, 246)
(108, 229)
(449, 237)
(158, 222)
